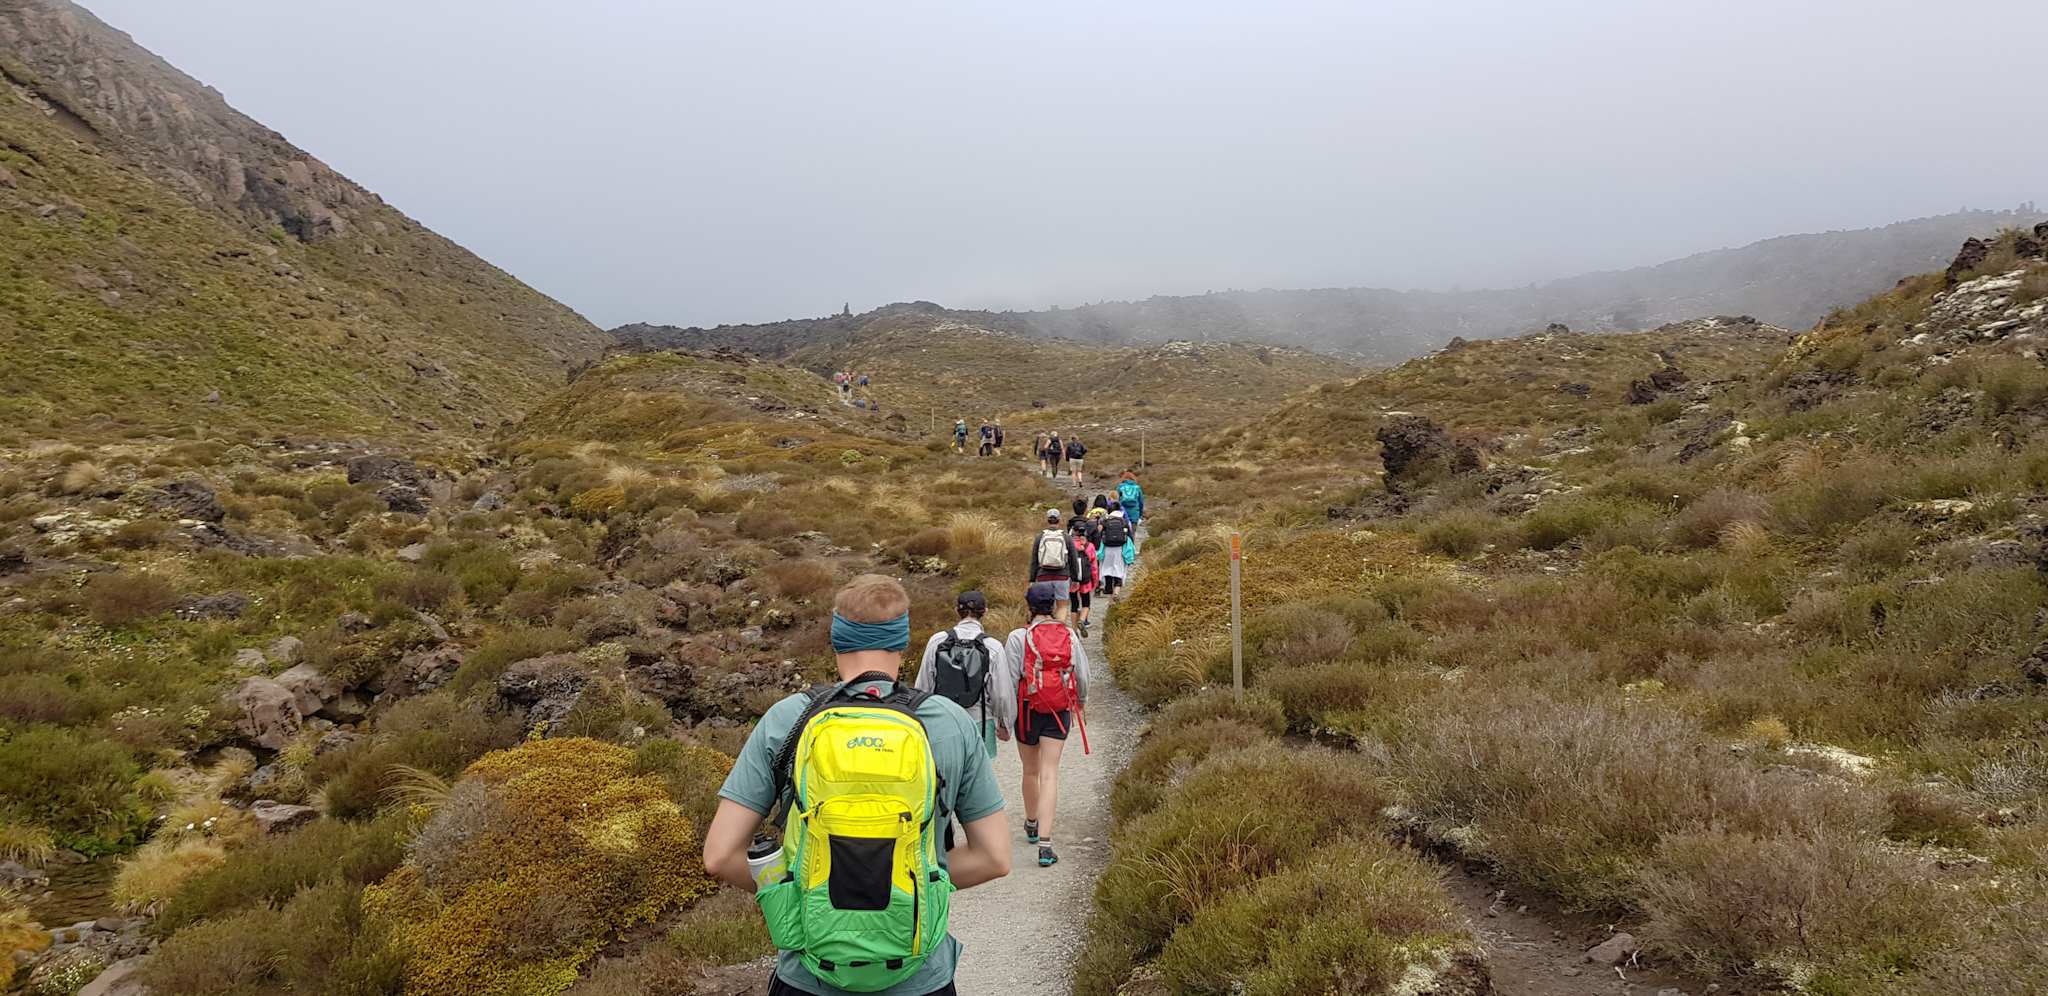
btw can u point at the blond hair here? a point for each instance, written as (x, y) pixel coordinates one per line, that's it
(872, 598)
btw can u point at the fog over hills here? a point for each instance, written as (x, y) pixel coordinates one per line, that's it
(1790, 281)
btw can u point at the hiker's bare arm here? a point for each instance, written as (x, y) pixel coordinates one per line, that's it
(984, 858)
(725, 844)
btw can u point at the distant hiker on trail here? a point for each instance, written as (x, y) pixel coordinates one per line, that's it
(1042, 695)
(1081, 535)
(960, 434)
(863, 380)
(958, 662)
(846, 389)
(869, 917)
(1075, 451)
(1038, 445)
(1055, 451)
(999, 437)
(988, 438)
(1116, 532)
(1052, 561)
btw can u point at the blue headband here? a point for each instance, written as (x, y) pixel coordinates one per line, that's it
(850, 637)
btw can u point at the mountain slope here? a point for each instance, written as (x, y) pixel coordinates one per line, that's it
(157, 246)
(1790, 281)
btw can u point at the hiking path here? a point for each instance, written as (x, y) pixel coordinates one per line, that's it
(1022, 934)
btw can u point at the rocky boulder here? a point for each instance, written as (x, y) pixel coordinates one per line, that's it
(425, 670)
(388, 469)
(1411, 440)
(1641, 393)
(269, 712)
(348, 707)
(189, 500)
(273, 817)
(1612, 951)
(546, 687)
(404, 498)
(669, 681)
(311, 690)
(1668, 379)
(226, 605)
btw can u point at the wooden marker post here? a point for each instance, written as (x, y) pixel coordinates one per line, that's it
(1236, 616)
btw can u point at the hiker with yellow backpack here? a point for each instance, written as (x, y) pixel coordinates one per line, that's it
(863, 776)
(1041, 695)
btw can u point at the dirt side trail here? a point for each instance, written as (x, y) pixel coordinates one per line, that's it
(1022, 934)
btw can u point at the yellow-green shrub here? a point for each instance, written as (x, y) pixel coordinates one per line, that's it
(540, 855)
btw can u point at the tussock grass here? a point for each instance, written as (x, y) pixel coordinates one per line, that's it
(147, 881)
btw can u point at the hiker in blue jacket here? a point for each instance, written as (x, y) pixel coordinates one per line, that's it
(1131, 497)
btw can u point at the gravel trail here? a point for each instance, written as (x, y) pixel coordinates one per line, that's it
(1022, 934)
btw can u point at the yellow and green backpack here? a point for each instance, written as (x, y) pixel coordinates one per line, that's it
(864, 901)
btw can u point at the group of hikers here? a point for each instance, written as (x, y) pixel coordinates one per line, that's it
(1049, 449)
(874, 772)
(990, 435)
(845, 379)
(1092, 553)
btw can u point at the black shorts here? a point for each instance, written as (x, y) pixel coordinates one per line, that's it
(781, 988)
(1045, 724)
(1077, 600)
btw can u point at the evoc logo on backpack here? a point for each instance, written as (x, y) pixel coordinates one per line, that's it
(867, 742)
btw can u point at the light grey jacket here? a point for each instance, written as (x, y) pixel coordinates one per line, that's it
(1002, 696)
(927, 677)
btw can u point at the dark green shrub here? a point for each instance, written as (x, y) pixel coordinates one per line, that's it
(724, 928)
(1341, 697)
(510, 646)
(765, 524)
(1573, 517)
(127, 597)
(423, 590)
(435, 733)
(319, 942)
(1168, 754)
(1921, 814)
(1466, 533)
(1238, 817)
(1349, 918)
(271, 870)
(78, 786)
(1256, 709)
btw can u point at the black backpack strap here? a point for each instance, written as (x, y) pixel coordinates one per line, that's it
(785, 758)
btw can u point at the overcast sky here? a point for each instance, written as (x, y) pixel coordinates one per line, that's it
(750, 160)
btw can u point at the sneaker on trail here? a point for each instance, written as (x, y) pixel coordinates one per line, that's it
(1046, 858)
(1031, 831)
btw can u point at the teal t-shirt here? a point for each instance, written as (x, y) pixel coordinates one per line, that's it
(968, 789)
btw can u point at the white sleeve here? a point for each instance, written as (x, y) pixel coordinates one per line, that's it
(1081, 670)
(927, 681)
(1005, 670)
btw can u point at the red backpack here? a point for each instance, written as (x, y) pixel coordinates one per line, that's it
(1048, 682)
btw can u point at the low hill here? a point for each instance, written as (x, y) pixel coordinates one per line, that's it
(1515, 385)
(920, 360)
(169, 263)
(1790, 281)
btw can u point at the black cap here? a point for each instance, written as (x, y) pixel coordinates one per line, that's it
(973, 601)
(1040, 596)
